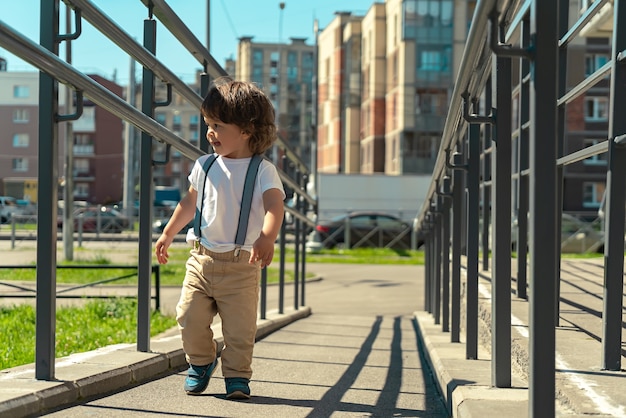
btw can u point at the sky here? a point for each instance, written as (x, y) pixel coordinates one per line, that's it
(93, 52)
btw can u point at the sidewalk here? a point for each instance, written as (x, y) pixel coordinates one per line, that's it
(583, 389)
(385, 292)
(110, 368)
(352, 353)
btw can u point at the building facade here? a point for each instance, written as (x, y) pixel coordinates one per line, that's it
(398, 86)
(184, 120)
(284, 71)
(97, 142)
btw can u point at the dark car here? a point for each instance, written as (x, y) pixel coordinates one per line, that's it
(366, 229)
(91, 217)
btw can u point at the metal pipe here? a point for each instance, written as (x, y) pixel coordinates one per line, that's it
(101, 21)
(50, 64)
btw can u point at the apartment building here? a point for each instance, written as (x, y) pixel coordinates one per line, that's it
(339, 68)
(182, 118)
(284, 71)
(97, 142)
(397, 81)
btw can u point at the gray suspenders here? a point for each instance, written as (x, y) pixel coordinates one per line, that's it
(246, 200)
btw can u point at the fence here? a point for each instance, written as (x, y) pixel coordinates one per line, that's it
(293, 172)
(503, 145)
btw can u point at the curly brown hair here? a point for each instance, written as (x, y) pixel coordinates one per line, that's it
(243, 104)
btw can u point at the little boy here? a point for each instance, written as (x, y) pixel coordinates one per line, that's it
(221, 277)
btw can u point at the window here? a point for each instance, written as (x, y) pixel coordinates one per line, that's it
(593, 62)
(82, 139)
(257, 75)
(292, 65)
(307, 66)
(81, 190)
(596, 109)
(194, 119)
(425, 147)
(21, 92)
(21, 116)
(274, 62)
(20, 141)
(176, 126)
(257, 58)
(20, 164)
(592, 194)
(430, 61)
(430, 103)
(161, 118)
(81, 166)
(600, 159)
(83, 144)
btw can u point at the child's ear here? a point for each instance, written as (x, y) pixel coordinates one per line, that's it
(246, 134)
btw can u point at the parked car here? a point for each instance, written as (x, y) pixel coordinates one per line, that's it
(110, 220)
(367, 229)
(8, 208)
(577, 236)
(159, 225)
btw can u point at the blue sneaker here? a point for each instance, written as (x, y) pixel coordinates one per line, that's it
(198, 378)
(237, 388)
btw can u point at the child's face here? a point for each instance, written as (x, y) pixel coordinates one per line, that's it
(227, 140)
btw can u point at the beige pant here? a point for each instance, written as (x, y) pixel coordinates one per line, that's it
(228, 285)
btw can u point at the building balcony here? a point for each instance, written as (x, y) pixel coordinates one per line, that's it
(83, 176)
(84, 149)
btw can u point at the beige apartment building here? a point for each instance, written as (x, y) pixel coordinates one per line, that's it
(384, 112)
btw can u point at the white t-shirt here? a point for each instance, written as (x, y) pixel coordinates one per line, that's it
(222, 201)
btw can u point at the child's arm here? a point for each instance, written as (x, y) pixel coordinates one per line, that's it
(263, 247)
(184, 212)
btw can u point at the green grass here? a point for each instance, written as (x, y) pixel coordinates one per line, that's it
(78, 329)
(367, 256)
(173, 272)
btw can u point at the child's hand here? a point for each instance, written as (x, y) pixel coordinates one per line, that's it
(263, 251)
(160, 248)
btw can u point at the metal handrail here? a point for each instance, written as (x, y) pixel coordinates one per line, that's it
(51, 64)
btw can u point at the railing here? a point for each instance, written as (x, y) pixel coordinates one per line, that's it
(489, 168)
(29, 292)
(44, 56)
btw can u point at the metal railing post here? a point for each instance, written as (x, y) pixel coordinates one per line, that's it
(47, 201)
(455, 286)
(445, 253)
(145, 198)
(543, 206)
(616, 186)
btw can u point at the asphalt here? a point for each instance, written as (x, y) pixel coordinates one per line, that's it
(362, 346)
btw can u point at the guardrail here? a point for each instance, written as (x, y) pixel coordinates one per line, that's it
(44, 56)
(503, 152)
